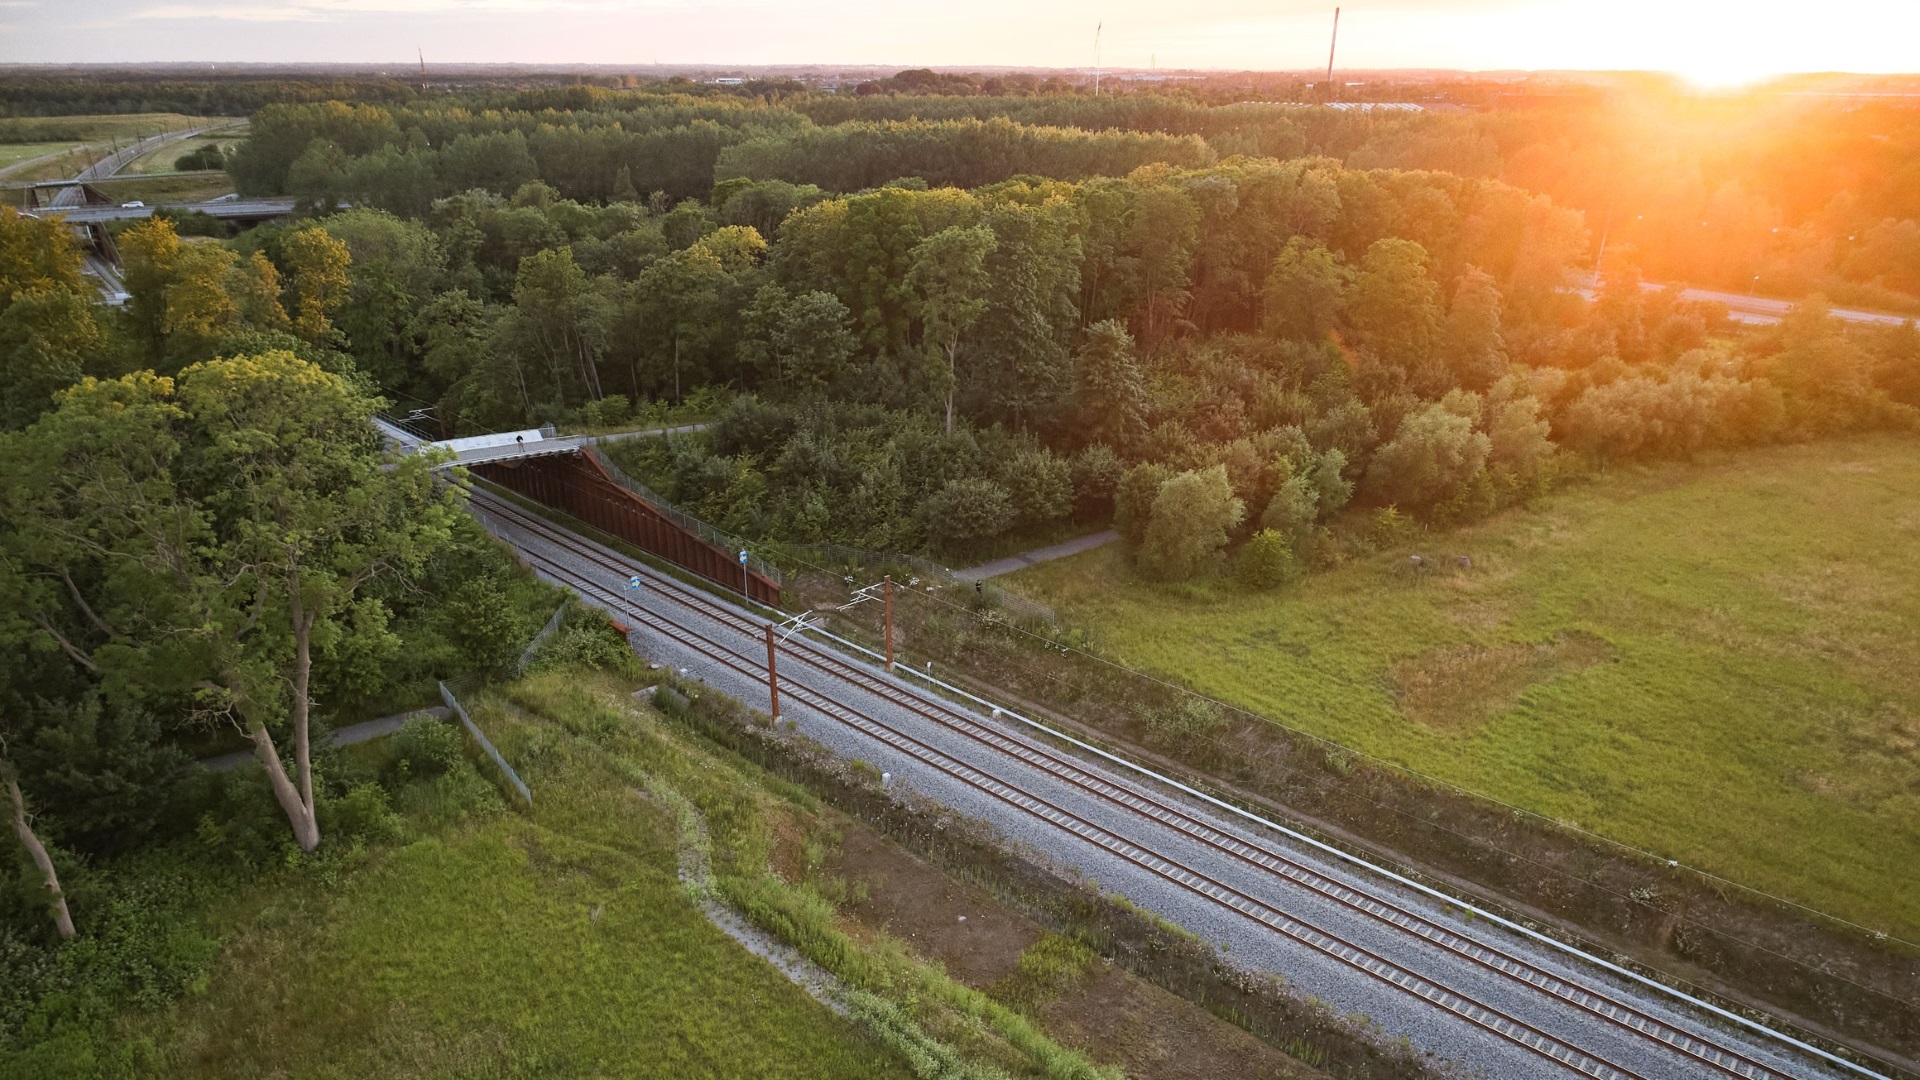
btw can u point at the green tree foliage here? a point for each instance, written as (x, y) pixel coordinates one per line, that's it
(1110, 390)
(948, 278)
(50, 334)
(1021, 360)
(967, 510)
(1396, 315)
(1306, 291)
(1434, 455)
(1096, 475)
(1293, 511)
(957, 153)
(1192, 514)
(1133, 499)
(317, 265)
(802, 342)
(280, 134)
(1474, 350)
(396, 269)
(221, 534)
(1266, 560)
(1040, 485)
(210, 156)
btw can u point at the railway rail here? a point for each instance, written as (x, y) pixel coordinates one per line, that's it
(1604, 1006)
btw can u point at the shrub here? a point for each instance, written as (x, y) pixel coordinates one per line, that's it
(426, 747)
(592, 643)
(969, 509)
(1096, 473)
(1191, 516)
(1192, 715)
(1040, 485)
(1133, 499)
(1293, 509)
(207, 157)
(1435, 453)
(607, 412)
(1267, 560)
(361, 813)
(1389, 527)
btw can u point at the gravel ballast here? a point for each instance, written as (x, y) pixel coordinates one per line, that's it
(1250, 945)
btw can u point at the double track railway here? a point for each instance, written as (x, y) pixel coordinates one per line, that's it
(738, 645)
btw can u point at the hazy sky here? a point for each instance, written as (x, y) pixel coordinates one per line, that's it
(1714, 41)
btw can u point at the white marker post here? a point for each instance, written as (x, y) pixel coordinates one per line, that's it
(746, 598)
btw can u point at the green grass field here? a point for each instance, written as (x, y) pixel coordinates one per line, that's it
(165, 189)
(161, 160)
(560, 946)
(1716, 661)
(509, 951)
(14, 154)
(94, 127)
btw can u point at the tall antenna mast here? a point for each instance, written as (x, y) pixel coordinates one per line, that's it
(1331, 46)
(423, 68)
(1097, 27)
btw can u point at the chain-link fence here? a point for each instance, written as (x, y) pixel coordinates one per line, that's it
(450, 692)
(685, 520)
(540, 640)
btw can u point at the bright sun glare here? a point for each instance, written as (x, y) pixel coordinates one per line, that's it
(1726, 72)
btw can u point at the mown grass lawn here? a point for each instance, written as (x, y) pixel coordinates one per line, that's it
(12, 154)
(557, 947)
(88, 127)
(1717, 661)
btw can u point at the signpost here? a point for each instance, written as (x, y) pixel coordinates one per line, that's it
(634, 585)
(746, 597)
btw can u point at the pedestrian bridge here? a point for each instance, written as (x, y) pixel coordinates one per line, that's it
(569, 475)
(481, 449)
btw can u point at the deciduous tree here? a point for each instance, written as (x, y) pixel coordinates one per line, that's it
(948, 278)
(1192, 514)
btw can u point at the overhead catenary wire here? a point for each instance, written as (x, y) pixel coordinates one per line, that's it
(698, 601)
(1409, 771)
(1328, 785)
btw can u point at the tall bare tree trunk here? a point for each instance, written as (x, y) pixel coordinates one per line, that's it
(953, 381)
(295, 794)
(62, 919)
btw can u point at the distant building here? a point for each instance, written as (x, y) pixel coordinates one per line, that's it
(729, 82)
(1347, 106)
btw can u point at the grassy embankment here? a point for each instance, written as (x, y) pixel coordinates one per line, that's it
(564, 944)
(162, 160)
(1714, 661)
(34, 148)
(14, 154)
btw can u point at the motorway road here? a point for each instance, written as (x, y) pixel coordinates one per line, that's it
(668, 628)
(120, 159)
(224, 208)
(1760, 310)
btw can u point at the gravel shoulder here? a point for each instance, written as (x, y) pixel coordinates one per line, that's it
(1244, 943)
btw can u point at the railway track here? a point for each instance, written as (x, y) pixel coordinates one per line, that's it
(1603, 1006)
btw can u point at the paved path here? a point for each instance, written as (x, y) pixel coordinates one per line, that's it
(120, 159)
(346, 736)
(1038, 555)
(619, 435)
